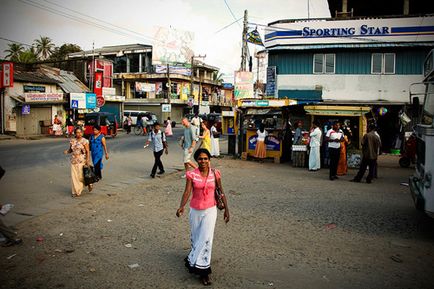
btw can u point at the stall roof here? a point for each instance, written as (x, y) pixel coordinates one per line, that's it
(265, 103)
(33, 76)
(263, 111)
(335, 110)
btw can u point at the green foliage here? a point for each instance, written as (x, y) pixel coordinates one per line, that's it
(61, 52)
(14, 51)
(44, 47)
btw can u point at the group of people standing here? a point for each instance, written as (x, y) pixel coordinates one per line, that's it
(337, 141)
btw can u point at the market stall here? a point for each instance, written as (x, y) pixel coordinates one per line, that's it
(270, 113)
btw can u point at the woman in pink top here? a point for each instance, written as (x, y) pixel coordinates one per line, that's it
(203, 213)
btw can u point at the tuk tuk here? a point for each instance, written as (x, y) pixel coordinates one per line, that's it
(106, 120)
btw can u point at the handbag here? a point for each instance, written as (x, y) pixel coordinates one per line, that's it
(89, 175)
(218, 193)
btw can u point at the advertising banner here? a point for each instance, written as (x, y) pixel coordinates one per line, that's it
(243, 84)
(97, 88)
(173, 69)
(272, 143)
(91, 100)
(270, 89)
(172, 46)
(7, 74)
(166, 107)
(145, 87)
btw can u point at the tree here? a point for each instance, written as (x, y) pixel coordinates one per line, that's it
(14, 51)
(44, 47)
(27, 56)
(61, 52)
(218, 77)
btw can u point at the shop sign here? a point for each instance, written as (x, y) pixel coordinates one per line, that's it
(243, 84)
(91, 100)
(190, 102)
(270, 89)
(43, 97)
(97, 88)
(173, 70)
(7, 75)
(100, 101)
(262, 103)
(166, 107)
(25, 109)
(145, 87)
(108, 91)
(272, 143)
(33, 88)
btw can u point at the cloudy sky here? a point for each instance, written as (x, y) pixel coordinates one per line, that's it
(83, 22)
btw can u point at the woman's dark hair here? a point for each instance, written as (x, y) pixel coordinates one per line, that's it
(97, 127)
(201, 151)
(156, 123)
(316, 122)
(168, 117)
(261, 127)
(77, 128)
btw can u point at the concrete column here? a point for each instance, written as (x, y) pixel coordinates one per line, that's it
(344, 6)
(128, 63)
(140, 63)
(406, 7)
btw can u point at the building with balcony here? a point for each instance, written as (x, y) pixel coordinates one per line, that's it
(146, 87)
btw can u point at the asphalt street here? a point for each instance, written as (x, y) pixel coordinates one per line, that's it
(37, 177)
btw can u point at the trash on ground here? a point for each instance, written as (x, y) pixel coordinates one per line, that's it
(141, 205)
(396, 258)
(270, 284)
(128, 245)
(11, 256)
(132, 266)
(40, 239)
(92, 270)
(6, 208)
(61, 234)
(58, 251)
(69, 250)
(330, 226)
(404, 184)
(109, 220)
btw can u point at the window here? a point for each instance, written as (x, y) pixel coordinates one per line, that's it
(324, 63)
(383, 63)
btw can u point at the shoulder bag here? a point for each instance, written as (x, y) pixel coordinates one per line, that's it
(218, 193)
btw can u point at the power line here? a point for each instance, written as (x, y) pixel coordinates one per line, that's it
(14, 41)
(228, 26)
(79, 19)
(232, 13)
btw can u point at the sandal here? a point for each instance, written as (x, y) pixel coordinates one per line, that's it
(206, 281)
(90, 187)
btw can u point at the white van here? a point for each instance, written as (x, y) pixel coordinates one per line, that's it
(152, 118)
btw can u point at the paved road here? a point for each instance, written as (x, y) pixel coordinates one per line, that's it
(38, 174)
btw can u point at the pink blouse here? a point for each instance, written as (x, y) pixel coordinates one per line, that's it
(203, 189)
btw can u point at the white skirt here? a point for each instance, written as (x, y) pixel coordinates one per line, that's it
(202, 224)
(215, 147)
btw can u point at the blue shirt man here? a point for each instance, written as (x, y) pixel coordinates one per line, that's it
(159, 144)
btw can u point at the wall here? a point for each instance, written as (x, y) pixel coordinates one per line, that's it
(352, 87)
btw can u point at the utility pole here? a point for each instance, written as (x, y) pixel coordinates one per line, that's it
(93, 66)
(244, 46)
(169, 84)
(192, 76)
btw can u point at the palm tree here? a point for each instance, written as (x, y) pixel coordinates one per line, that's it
(44, 47)
(218, 77)
(14, 51)
(27, 56)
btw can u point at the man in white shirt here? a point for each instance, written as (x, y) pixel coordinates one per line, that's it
(333, 138)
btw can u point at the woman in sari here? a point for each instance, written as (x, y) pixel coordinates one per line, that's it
(168, 131)
(206, 137)
(79, 150)
(57, 126)
(203, 213)
(98, 148)
(342, 165)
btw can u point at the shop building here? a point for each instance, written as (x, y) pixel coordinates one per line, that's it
(146, 87)
(350, 68)
(38, 94)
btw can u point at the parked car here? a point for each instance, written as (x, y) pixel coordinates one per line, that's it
(152, 118)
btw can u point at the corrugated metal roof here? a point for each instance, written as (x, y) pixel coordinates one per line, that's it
(66, 80)
(33, 76)
(115, 49)
(351, 45)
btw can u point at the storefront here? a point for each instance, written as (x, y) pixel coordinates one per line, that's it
(35, 113)
(272, 114)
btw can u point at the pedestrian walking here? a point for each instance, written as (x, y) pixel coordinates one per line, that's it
(168, 131)
(215, 142)
(261, 149)
(333, 138)
(79, 150)
(343, 165)
(159, 145)
(188, 143)
(315, 144)
(202, 182)
(98, 149)
(129, 121)
(196, 121)
(370, 147)
(205, 137)
(70, 124)
(298, 135)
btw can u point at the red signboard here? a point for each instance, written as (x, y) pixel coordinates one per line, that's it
(7, 79)
(100, 101)
(97, 86)
(104, 66)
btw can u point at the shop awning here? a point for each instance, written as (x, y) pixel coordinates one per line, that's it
(258, 111)
(337, 110)
(265, 103)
